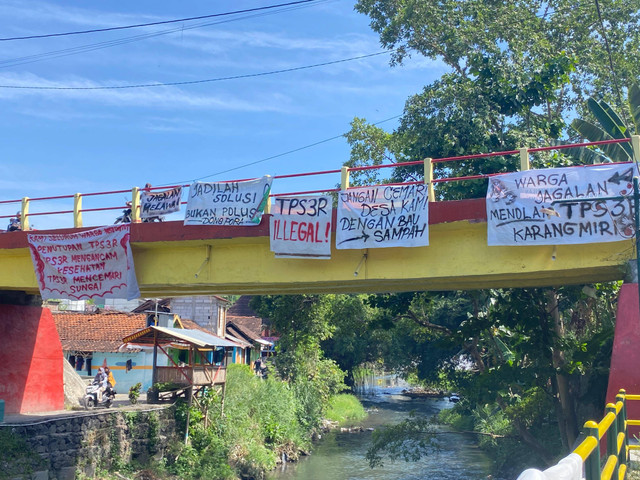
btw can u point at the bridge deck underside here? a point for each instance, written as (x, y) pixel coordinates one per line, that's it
(173, 260)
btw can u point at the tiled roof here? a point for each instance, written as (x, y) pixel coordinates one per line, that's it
(191, 325)
(239, 341)
(150, 305)
(251, 324)
(242, 331)
(241, 308)
(96, 332)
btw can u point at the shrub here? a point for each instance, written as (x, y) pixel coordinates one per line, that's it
(345, 409)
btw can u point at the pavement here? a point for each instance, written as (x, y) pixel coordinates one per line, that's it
(121, 403)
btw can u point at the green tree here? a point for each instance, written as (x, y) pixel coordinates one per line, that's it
(518, 43)
(302, 322)
(353, 342)
(529, 351)
(517, 72)
(299, 319)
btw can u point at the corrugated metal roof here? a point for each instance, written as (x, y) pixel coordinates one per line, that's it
(239, 341)
(171, 335)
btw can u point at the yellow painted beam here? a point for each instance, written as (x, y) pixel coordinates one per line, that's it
(457, 258)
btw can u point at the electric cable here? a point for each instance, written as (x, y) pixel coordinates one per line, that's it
(277, 155)
(150, 24)
(65, 52)
(193, 82)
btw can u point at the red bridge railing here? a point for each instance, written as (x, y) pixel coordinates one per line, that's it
(132, 195)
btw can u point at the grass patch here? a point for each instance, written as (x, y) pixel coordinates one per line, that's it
(345, 409)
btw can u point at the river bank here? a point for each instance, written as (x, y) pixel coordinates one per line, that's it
(258, 435)
(341, 453)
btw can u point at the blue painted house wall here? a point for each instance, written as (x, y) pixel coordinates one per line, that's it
(141, 371)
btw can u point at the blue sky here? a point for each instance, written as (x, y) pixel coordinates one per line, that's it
(57, 142)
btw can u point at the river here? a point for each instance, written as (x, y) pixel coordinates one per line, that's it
(341, 455)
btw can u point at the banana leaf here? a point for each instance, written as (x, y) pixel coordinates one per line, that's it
(595, 134)
(634, 105)
(585, 156)
(610, 122)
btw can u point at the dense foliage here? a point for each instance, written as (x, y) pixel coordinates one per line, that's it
(536, 358)
(531, 364)
(516, 74)
(265, 421)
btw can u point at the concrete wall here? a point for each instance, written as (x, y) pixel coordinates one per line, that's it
(31, 359)
(206, 311)
(142, 370)
(76, 445)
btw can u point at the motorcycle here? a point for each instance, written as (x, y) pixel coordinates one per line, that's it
(91, 397)
(126, 215)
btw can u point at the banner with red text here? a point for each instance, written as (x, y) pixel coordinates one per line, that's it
(155, 204)
(557, 206)
(383, 216)
(227, 203)
(95, 263)
(300, 227)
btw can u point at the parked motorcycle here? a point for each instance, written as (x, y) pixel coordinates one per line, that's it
(91, 397)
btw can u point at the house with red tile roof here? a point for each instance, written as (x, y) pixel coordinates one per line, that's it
(91, 339)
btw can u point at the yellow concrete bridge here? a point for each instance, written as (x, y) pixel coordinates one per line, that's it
(172, 259)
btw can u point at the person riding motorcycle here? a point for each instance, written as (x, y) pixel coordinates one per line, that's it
(110, 380)
(101, 379)
(14, 223)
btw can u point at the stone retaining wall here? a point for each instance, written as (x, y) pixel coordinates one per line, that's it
(89, 442)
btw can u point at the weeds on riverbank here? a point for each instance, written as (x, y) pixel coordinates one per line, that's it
(265, 421)
(345, 409)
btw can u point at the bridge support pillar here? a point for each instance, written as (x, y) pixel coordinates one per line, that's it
(625, 358)
(31, 360)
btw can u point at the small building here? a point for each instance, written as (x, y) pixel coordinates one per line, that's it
(244, 324)
(250, 343)
(237, 323)
(208, 311)
(203, 368)
(91, 339)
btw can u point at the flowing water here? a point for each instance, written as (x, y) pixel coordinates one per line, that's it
(341, 455)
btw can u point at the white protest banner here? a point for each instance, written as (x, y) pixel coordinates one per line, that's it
(227, 203)
(383, 216)
(93, 264)
(154, 204)
(300, 227)
(558, 206)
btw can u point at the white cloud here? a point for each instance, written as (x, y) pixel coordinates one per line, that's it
(153, 97)
(41, 12)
